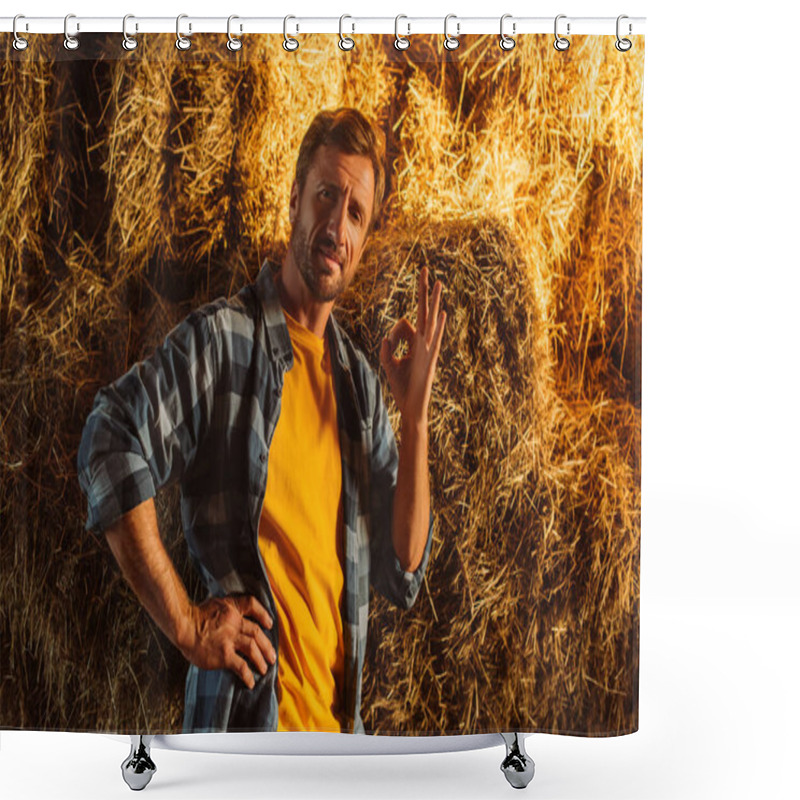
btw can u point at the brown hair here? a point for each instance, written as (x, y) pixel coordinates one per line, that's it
(350, 131)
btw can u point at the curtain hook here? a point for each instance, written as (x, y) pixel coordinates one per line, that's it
(561, 43)
(401, 42)
(450, 42)
(128, 42)
(290, 44)
(345, 42)
(182, 43)
(234, 43)
(623, 45)
(70, 42)
(19, 42)
(506, 42)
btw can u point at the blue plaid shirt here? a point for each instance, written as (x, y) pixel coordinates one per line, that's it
(202, 409)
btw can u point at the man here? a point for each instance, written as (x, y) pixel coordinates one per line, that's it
(294, 497)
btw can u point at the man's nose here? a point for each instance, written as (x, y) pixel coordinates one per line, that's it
(336, 223)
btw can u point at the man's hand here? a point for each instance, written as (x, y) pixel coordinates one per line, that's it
(222, 631)
(211, 635)
(411, 377)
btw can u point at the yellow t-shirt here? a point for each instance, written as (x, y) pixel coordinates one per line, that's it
(300, 538)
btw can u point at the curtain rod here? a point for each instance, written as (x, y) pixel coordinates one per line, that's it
(456, 25)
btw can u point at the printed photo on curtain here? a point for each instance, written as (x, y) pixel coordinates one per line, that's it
(320, 385)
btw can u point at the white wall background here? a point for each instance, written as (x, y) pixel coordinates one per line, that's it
(720, 605)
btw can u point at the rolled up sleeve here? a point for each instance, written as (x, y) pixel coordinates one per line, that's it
(144, 428)
(386, 573)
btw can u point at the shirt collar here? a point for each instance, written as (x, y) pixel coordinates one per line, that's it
(277, 332)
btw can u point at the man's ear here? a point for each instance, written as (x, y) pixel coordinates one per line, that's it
(294, 202)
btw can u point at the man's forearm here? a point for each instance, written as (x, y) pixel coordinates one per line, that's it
(411, 515)
(136, 544)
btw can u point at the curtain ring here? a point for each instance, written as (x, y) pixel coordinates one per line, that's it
(345, 42)
(70, 42)
(128, 42)
(450, 42)
(561, 43)
(290, 44)
(19, 42)
(506, 42)
(400, 42)
(623, 45)
(182, 43)
(234, 43)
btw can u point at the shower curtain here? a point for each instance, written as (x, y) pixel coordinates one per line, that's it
(140, 186)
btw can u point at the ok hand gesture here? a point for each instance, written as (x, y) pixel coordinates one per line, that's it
(411, 376)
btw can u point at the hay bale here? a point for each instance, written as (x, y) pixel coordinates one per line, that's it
(24, 132)
(590, 93)
(203, 144)
(484, 424)
(598, 321)
(140, 163)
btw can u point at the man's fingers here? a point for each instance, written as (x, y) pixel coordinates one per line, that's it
(422, 300)
(439, 334)
(263, 643)
(437, 343)
(248, 647)
(433, 329)
(238, 666)
(250, 607)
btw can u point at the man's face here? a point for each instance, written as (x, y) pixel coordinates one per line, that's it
(330, 220)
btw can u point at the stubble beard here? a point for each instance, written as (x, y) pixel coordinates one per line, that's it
(323, 288)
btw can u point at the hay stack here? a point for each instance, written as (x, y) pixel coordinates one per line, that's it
(137, 162)
(24, 130)
(484, 422)
(598, 323)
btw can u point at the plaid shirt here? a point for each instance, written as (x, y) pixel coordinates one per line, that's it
(202, 409)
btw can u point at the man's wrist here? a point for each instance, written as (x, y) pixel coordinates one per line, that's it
(186, 631)
(414, 428)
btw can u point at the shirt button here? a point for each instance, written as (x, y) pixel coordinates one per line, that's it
(262, 458)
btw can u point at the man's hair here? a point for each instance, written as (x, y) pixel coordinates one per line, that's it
(350, 131)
